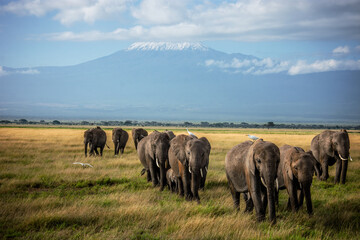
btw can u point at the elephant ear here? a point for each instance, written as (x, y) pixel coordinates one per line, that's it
(177, 145)
(251, 156)
(288, 170)
(207, 144)
(328, 145)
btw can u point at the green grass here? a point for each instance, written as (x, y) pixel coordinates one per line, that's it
(44, 196)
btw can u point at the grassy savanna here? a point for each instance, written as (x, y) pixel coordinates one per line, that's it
(44, 196)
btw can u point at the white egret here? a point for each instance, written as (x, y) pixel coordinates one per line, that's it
(253, 137)
(191, 134)
(83, 164)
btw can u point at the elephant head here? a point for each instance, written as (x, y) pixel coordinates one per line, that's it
(88, 136)
(138, 134)
(339, 145)
(262, 161)
(197, 158)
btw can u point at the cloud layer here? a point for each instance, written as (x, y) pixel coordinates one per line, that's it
(247, 20)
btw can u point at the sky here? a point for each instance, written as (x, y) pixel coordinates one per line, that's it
(307, 35)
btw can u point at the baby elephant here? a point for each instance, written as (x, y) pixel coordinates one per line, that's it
(295, 173)
(171, 180)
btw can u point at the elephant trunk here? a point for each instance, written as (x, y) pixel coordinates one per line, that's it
(271, 198)
(343, 171)
(306, 190)
(195, 182)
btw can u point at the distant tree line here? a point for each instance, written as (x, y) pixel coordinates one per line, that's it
(183, 124)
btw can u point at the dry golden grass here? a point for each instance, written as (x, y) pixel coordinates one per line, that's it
(43, 195)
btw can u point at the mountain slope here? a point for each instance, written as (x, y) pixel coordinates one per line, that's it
(165, 81)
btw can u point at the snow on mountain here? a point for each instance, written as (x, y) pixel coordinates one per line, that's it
(163, 46)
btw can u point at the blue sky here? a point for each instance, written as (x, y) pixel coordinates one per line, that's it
(306, 35)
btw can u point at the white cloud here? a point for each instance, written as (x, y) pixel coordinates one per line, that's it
(341, 50)
(160, 11)
(246, 20)
(2, 72)
(69, 11)
(357, 48)
(269, 66)
(302, 67)
(250, 66)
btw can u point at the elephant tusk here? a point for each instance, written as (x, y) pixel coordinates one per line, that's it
(277, 184)
(201, 172)
(157, 162)
(300, 186)
(344, 159)
(263, 182)
(206, 169)
(189, 169)
(350, 158)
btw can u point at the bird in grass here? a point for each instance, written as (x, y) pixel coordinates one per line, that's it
(83, 164)
(252, 137)
(191, 134)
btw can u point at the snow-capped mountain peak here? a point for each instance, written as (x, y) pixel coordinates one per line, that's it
(166, 46)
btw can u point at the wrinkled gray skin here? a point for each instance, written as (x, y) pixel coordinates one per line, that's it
(138, 134)
(251, 167)
(153, 154)
(170, 134)
(95, 138)
(330, 147)
(171, 180)
(295, 173)
(189, 158)
(119, 138)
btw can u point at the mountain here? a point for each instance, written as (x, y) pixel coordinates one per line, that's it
(179, 82)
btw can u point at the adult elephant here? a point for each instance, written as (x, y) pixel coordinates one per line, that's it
(153, 154)
(119, 138)
(95, 138)
(138, 134)
(170, 134)
(330, 147)
(251, 167)
(189, 158)
(295, 173)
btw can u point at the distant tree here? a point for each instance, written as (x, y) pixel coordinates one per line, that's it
(187, 124)
(270, 124)
(204, 124)
(42, 121)
(56, 122)
(23, 121)
(128, 123)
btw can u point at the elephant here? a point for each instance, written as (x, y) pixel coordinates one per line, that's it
(170, 134)
(138, 134)
(295, 173)
(153, 154)
(95, 138)
(251, 167)
(330, 147)
(171, 180)
(189, 159)
(120, 138)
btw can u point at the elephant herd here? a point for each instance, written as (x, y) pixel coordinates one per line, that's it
(257, 169)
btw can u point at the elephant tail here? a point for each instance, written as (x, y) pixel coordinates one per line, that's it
(107, 146)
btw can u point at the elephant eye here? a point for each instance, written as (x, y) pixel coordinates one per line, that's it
(258, 160)
(188, 153)
(296, 168)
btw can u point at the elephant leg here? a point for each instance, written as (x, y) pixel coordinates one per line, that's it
(256, 197)
(153, 172)
(148, 175)
(122, 151)
(338, 170)
(96, 151)
(288, 205)
(324, 166)
(344, 170)
(180, 186)
(277, 197)
(101, 151)
(249, 203)
(293, 197)
(186, 182)
(235, 195)
(264, 199)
